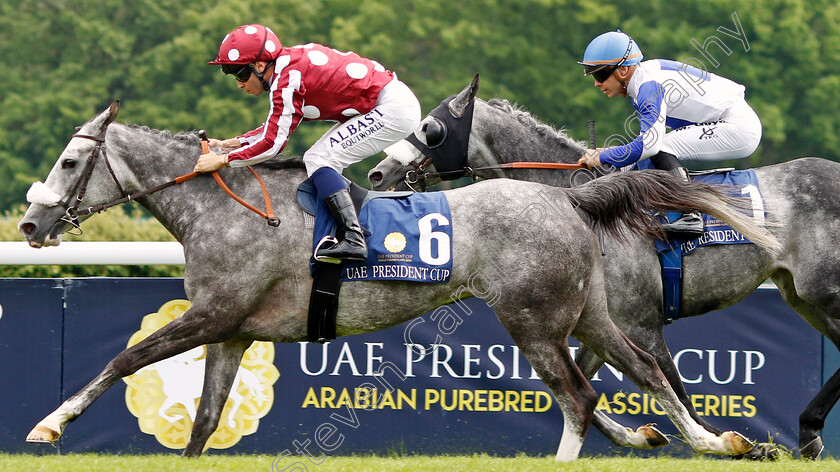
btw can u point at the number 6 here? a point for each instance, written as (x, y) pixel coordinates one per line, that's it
(426, 237)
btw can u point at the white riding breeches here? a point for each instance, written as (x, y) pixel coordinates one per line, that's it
(395, 116)
(734, 136)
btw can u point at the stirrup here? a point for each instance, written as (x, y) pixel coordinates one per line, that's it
(329, 241)
(685, 229)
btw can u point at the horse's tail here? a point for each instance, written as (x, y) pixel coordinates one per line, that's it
(624, 202)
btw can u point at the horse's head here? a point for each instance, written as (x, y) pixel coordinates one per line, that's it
(439, 147)
(74, 180)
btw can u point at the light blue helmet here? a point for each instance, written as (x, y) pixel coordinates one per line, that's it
(611, 49)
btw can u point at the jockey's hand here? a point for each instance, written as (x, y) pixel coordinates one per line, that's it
(210, 162)
(591, 158)
(225, 144)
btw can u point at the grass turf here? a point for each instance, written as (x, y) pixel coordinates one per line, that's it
(477, 463)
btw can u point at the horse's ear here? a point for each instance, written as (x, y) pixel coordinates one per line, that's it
(460, 102)
(112, 113)
(474, 87)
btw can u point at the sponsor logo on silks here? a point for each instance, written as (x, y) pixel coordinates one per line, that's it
(708, 132)
(164, 396)
(357, 130)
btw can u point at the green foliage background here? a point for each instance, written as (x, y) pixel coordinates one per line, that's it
(65, 60)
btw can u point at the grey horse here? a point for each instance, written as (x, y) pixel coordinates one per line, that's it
(799, 196)
(250, 281)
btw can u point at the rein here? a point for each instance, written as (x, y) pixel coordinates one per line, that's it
(417, 175)
(447, 147)
(72, 212)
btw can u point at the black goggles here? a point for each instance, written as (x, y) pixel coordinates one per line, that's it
(601, 72)
(242, 72)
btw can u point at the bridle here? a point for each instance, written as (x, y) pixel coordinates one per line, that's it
(73, 200)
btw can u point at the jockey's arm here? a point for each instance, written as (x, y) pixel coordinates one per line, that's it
(652, 110)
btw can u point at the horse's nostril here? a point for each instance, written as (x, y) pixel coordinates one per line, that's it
(27, 229)
(375, 177)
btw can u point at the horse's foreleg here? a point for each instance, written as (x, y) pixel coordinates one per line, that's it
(189, 331)
(219, 373)
(812, 419)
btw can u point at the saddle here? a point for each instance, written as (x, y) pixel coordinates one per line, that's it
(326, 278)
(716, 232)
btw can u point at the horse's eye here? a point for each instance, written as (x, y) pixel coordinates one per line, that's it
(435, 133)
(68, 164)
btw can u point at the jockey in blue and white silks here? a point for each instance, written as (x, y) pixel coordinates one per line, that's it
(708, 114)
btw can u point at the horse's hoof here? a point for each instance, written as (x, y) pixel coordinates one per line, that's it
(762, 452)
(653, 436)
(812, 450)
(42, 434)
(737, 443)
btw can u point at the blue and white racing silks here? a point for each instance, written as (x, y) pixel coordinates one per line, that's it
(671, 94)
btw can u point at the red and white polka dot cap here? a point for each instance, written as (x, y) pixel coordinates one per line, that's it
(247, 44)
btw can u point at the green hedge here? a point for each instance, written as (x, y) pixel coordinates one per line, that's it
(126, 223)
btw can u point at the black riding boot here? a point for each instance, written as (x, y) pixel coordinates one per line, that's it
(688, 225)
(351, 239)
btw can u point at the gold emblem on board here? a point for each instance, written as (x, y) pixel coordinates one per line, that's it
(164, 396)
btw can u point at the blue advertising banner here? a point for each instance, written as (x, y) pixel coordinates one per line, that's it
(751, 368)
(30, 357)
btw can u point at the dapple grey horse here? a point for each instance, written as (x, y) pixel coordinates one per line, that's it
(800, 196)
(250, 281)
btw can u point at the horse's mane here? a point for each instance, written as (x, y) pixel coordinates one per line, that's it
(530, 121)
(190, 139)
(166, 138)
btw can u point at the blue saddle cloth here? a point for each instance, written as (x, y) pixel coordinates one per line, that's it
(409, 235)
(744, 183)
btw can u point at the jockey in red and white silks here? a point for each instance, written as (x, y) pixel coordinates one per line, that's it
(313, 82)
(373, 109)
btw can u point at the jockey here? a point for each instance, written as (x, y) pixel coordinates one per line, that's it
(708, 114)
(313, 82)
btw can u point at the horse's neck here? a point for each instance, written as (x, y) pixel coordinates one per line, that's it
(153, 161)
(510, 139)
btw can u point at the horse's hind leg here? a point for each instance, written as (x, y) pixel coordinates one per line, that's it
(644, 437)
(542, 338)
(596, 330)
(192, 329)
(577, 399)
(219, 372)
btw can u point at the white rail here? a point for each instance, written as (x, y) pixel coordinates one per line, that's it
(93, 253)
